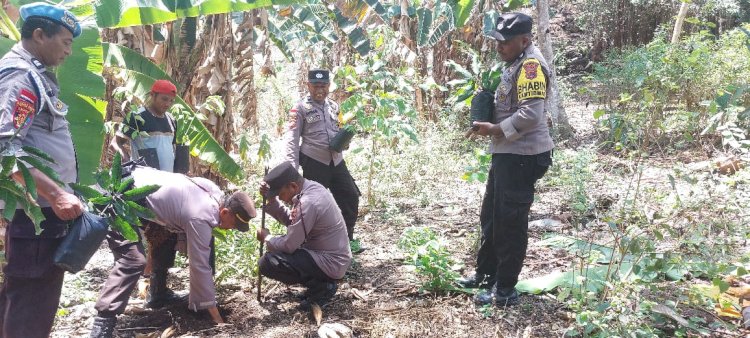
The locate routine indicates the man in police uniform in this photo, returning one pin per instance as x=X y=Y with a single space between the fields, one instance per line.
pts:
x=191 y=206
x=315 y=119
x=31 y=114
x=521 y=149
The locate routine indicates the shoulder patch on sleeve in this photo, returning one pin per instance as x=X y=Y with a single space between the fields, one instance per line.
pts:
x=25 y=108
x=532 y=84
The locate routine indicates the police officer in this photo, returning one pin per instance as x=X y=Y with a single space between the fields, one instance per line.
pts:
x=188 y=206
x=315 y=120
x=31 y=114
x=151 y=134
x=521 y=149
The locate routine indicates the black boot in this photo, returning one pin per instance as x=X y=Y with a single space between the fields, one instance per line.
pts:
x=500 y=295
x=103 y=327
x=319 y=293
x=475 y=281
x=159 y=295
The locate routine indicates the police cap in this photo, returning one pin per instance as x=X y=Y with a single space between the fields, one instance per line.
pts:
x=280 y=176
x=243 y=208
x=511 y=24
x=57 y=14
x=318 y=76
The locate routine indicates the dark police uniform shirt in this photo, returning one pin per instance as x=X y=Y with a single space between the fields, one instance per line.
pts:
x=146 y=130
x=30 y=107
x=317 y=124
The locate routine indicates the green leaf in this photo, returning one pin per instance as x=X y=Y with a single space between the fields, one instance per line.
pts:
x=87 y=192
x=139 y=193
x=101 y=200
x=28 y=180
x=8 y=162
x=424 y=16
x=38 y=153
x=11 y=202
x=123 y=13
x=125 y=229
x=461 y=11
x=514 y=4
x=38 y=165
x=142 y=211
x=116 y=170
x=125 y=184
x=599 y=113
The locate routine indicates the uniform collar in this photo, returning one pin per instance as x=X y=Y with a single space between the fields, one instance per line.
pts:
x=305 y=186
x=26 y=55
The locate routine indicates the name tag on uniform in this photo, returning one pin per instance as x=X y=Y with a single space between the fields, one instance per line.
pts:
x=313 y=118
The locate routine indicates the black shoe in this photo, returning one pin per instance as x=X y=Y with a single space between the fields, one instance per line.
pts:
x=500 y=296
x=320 y=295
x=164 y=299
x=103 y=327
x=476 y=281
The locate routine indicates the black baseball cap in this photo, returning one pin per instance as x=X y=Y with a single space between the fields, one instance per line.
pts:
x=279 y=176
x=318 y=76
x=509 y=25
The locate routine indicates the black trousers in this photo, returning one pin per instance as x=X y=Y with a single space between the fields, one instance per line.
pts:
x=338 y=179
x=505 y=215
x=130 y=260
x=296 y=268
x=32 y=284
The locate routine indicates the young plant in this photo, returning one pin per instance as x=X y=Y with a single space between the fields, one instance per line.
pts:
x=118 y=199
x=429 y=255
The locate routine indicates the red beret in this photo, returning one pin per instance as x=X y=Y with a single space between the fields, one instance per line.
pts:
x=164 y=87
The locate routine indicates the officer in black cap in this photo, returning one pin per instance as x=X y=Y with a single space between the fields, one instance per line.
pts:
x=32 y=114
x=315 y=120
x=521 y=149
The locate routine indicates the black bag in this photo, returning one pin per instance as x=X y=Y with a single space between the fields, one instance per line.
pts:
x=483 y=106
x=151 y=157
x=182 y=159
x=85 y=236
x=341 y=140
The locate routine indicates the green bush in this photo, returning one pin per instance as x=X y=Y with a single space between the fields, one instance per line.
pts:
x=658 y=92
x=427 y=252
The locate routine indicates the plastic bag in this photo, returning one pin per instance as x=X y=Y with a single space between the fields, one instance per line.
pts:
x=483 y=106
x=340 y=141
x=85 y=236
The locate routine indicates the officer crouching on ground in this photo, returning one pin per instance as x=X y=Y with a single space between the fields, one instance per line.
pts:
x=315 y=250
x=31 y=114
x=521 y=149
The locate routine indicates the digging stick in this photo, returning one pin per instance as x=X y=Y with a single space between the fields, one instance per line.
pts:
x=260 y=247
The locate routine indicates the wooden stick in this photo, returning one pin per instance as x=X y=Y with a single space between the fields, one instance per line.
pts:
x=260 y=247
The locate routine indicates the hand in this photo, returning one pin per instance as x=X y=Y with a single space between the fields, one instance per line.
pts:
x=485 y=128
x=67 y=206
x=264 y=188
x=261 y=234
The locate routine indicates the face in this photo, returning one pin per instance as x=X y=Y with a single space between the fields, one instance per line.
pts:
x=160 y=103
x=227 y=219
x=288 y=191
x=318 y=91
x=53 y=49
x=509 y=50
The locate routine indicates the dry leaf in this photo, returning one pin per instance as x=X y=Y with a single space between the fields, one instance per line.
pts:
x=334 y=330
x=667 y=311
x=169 y=332
x=359 y=294
x=729 y=166
x=742 y=292
x=143 y=288
x=154 y=334
x=317 y=313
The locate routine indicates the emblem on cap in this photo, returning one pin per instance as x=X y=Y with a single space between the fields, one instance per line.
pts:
x=37 y=63
x=319 y=76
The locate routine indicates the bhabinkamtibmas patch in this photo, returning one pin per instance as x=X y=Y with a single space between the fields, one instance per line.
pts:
x=532 y=84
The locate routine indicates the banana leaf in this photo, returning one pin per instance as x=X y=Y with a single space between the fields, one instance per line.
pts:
x=461 y=11
x=355 y=35
x=123 y=13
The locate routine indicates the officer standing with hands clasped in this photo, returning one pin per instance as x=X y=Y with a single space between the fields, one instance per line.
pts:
x=31 y=114
x=315 y=119
x=521 y=149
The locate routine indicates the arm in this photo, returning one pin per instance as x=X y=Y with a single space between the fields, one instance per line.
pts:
x=292 y=135
x=116 y=145
x=18 y=108
x=295 y=232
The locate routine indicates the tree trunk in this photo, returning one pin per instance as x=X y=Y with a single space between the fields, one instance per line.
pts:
x=554 y=104
x=678 y=24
